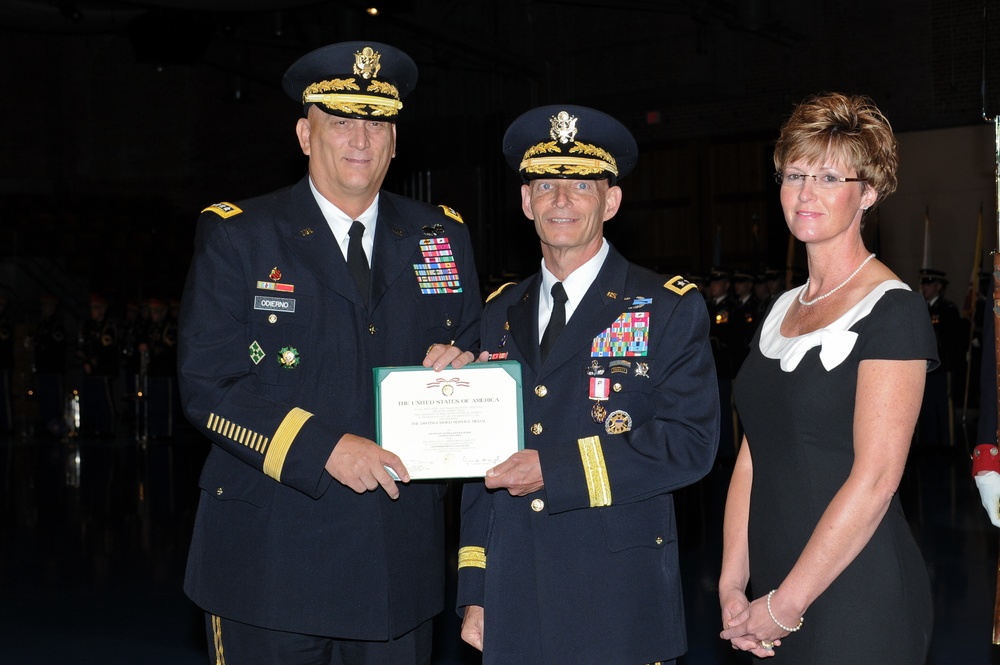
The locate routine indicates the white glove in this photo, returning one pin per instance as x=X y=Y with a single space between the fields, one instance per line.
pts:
x=989 y=489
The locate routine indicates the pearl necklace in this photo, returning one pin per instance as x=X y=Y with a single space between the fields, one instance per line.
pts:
x=829 y=293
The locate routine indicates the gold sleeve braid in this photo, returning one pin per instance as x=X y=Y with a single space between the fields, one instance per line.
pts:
x=595 y=470
x=274 y=458
x=472 y=557
x=229 y=429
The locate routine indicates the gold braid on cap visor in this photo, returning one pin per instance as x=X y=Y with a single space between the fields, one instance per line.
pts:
x=319 y=93
x=565 y=165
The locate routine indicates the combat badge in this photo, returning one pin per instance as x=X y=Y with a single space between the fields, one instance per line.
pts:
x=288 y=357
x=434 y=230
x=642 y=370
x=618 y=422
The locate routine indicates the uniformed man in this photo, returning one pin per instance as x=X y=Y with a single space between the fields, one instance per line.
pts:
x=744 y=315
x=305 y=550
x=724 y=334
x=157 y=349
x=97 y=350
x=986 y=454
x=934 y=426
x=47 y=345
x=569 y=548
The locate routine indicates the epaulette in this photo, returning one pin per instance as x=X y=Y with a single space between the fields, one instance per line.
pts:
x=224 y=209
x=451 y=212
x=679 y=285
x=499 y=290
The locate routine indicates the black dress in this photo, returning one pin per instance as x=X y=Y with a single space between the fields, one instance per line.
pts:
x=796 y=399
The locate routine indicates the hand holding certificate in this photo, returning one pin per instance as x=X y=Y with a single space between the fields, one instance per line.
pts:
x=456 y=423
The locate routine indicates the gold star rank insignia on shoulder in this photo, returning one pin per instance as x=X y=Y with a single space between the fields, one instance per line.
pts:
x=224 y=210
x=451 y=212
x=679 y=285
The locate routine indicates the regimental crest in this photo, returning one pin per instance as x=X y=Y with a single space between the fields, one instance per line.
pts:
x=366 y=63
x=563 y=127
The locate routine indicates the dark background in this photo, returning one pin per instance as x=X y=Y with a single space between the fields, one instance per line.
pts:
x=122 y=120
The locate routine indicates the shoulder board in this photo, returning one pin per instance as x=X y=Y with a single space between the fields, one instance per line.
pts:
x=224 y=209
x=679 y=285
x=452 y=213
x=499 y=290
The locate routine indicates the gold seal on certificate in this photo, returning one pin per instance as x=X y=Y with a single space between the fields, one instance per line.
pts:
x=456 y=423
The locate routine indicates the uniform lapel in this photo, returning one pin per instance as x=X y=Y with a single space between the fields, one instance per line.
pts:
x=311 y=240
x=395 y=244
x=522 y=317
x=601 y=305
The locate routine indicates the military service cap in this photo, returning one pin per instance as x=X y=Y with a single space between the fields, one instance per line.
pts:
x=363 y=80
x=565 y=141
x=929 y=276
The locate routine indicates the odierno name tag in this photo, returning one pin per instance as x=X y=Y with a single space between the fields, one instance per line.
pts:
x=272 y=304
x=456 y=423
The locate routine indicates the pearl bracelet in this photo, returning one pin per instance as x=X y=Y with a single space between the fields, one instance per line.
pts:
x=781 y=625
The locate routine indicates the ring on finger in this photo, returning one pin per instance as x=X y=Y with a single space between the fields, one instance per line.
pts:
x=767 y=646
x=428 y=352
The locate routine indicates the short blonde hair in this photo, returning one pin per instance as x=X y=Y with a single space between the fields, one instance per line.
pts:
x=849 y=128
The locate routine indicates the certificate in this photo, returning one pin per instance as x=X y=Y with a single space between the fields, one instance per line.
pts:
x=456 y=423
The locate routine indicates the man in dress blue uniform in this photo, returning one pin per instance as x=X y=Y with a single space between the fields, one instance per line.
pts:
x=304 y=549
x=934 y=426
x=568 y=549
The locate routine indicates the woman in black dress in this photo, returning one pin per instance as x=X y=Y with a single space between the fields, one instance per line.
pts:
x=829 y=398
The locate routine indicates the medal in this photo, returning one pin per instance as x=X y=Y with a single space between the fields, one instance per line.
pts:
x=599 y=391
x=618 y=422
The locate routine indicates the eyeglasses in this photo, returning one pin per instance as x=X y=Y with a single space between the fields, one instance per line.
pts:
x=823 y=181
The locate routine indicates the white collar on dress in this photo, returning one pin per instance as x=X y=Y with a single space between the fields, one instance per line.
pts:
x=836 y=340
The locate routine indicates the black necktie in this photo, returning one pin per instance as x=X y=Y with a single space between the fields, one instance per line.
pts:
x=357 y=260
x=557 y=321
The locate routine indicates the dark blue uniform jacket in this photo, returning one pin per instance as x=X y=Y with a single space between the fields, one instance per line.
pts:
x=276 y=354
x=585 y=570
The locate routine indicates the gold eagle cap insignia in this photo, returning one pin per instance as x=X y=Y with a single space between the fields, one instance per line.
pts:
x=224 y=209
x=679 y=285
x=366 y=62
x=563 y=127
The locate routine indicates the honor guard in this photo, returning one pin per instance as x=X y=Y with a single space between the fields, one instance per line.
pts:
x=97 y=350
x=568 y=549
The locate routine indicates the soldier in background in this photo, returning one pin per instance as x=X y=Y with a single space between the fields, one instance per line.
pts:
x=721 y=312
x=47 y=345
x=97 y=349
x=934 y=426
x=157 y=344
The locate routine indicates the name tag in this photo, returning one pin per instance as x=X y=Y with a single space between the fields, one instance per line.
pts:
x=274 y=304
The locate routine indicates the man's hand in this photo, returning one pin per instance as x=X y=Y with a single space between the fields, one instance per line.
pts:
x=521 y=474
x=988 y=483
x=361 y=463
x=472 y=626
x=440 y=356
